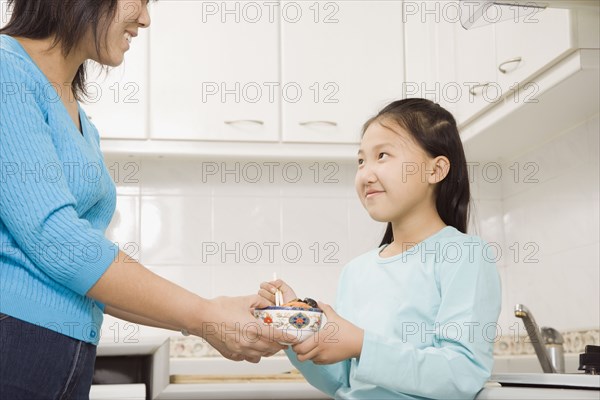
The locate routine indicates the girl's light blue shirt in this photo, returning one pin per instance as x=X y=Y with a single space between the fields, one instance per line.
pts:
x=429 y=316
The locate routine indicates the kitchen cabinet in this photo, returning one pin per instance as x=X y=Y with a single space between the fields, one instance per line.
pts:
x=497 y=62
x=530 y=44
x=214 y=71
x=298 y=79
x=446 y=63
x=130 y=369
x=566 y=94
x=501 y=113
x=4 y=14
x=229 y=86
x=546 y=58
x=430 y=56
x=488 y=63
x=341 y=61
x=475 y=70
x=494 y=61
x=118 y=97
x=118 y=392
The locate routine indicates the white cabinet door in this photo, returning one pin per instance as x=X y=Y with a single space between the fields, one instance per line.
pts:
x=475 y=55
x=214 y=70
x=118 y=100
x=430 y=55
x=529 y=44
x=341 y=62
x=4 y=14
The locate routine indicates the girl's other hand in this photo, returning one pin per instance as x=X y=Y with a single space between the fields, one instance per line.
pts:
x=268 y=289
x=338 y=340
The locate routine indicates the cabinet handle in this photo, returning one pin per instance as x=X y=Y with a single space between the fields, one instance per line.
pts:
x=331 y=123
x=482 y=85
x=237 y=121
x=511 y=61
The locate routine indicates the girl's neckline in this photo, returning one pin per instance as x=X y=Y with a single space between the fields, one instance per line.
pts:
x=81 y=133
x=383 y=260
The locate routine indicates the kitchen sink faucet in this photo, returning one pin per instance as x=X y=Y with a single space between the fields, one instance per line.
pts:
x=547 y=342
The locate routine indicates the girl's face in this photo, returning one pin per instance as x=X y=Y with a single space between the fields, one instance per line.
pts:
x=129 y=17
x=394 y=177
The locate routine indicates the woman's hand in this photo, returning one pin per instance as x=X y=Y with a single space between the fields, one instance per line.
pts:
x=267 y=291
x=230 y=327
x=338 y=340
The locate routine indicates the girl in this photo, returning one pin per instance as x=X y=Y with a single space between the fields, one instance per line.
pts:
x=58 y=273
x=415 y=317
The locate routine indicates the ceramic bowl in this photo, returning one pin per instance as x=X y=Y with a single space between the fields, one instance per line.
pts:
x=296 y=323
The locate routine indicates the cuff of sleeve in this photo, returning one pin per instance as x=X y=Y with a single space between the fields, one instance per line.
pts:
x=96 y=263
x=101 y=306
x=291 y=354
x=371 y=358
x=326 y=378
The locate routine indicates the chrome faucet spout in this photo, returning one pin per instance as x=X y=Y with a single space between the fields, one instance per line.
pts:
x=547 y=342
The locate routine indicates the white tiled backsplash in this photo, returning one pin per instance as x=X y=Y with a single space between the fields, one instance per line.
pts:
x=220 y=227
x=543 y=210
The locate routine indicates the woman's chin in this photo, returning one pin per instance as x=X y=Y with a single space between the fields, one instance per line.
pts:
x=114 y=60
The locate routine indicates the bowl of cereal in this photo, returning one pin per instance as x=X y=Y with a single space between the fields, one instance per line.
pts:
x=297 y=320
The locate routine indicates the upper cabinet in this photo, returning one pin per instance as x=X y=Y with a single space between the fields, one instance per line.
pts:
x=489 y=62
x=476 y=70
x=4 y=14
x=214 y=70
x=274 y=78
x=341 y=61
x=321 y=68
x=506 y=80
x=527 y=45
x=430 y=55
x=117 y=102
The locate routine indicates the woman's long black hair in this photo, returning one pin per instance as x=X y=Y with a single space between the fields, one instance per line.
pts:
x=434 y=129
x=66 y=20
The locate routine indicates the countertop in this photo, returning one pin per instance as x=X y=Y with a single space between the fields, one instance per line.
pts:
x=139 y=346
x=164 y=367
x=494 y=391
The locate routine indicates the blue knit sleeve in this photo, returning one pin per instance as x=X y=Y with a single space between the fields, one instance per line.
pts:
x=40 y=211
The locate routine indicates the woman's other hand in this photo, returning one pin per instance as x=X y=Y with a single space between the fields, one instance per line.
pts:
x=267 y=291
x=230 y=327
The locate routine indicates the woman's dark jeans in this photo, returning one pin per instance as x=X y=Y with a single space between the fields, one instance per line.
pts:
x=37 y=363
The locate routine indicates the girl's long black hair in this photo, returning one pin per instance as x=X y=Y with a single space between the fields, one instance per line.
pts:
x=66 y=20
x=435 y=130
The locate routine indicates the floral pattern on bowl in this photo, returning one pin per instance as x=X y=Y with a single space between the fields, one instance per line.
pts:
x=296 y=322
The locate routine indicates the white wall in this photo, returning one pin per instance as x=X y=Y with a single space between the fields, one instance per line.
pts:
x=543 y=210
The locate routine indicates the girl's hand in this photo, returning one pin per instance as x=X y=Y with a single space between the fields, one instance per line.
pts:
x=338 y=340
x=268 y=289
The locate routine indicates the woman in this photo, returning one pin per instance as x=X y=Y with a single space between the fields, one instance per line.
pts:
x=58 y=271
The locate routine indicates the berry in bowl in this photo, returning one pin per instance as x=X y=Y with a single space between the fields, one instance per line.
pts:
x=297 y=319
